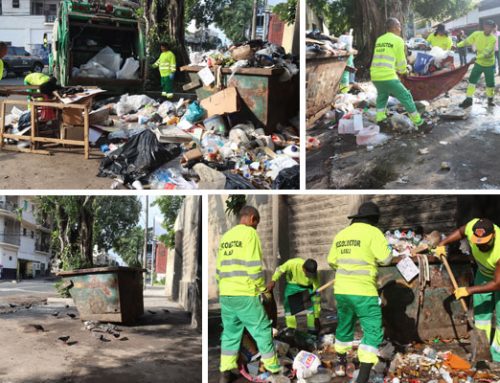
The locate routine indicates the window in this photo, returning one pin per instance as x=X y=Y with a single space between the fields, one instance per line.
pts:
x=15 y=3
x=24 y=231
x=10 y=258
x=32 y=234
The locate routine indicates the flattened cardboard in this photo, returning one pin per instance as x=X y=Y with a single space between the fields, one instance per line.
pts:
x=225 y=101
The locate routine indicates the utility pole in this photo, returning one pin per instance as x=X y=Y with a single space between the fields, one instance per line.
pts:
x=254 y=21
x=145 y=253
x=153 y=252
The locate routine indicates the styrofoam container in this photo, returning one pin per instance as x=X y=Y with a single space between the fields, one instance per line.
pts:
x=365 y=135
x=351 y=125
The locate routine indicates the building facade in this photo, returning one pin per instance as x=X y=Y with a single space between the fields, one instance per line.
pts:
x=25 y=250
x=23 y=23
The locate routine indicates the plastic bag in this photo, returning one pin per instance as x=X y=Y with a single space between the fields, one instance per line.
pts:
x=195 y=112
x=306 y=364
x=108 y=58
x=423 y=62
x=237 y=182
x=128 y=104
x=129 y=69
x=94 y=69
x=288 y=178
x=135 y=160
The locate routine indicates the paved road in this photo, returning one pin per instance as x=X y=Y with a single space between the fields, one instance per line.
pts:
x=12 y=81
x=9 y=289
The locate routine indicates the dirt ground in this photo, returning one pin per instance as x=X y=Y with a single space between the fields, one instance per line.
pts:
x=467 y=146
x=161 y=347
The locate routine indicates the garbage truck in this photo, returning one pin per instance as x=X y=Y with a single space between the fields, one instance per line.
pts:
x=100 y=44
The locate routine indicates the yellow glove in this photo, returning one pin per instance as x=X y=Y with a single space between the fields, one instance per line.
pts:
x=441 y=251
x=461 y=292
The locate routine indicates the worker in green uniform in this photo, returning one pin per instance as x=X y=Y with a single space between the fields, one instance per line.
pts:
x=356 y=253
x=481 y=235
x=440 y=38
x=389 y=60
x=47 y=85
x=241 y=283
x=485 y=42
x=301 y=275
x=167 y=65
x=3 y=52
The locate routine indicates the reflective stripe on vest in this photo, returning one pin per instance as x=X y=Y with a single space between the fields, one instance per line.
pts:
x=239 y=273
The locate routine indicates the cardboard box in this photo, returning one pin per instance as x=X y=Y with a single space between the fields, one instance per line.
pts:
x=225 y=101
x=72 y=132
x=73 y=116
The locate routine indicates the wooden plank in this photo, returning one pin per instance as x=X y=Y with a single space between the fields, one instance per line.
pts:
x=2 y=124
x=58 y=105
x=45 y=140
x=244 y=71
x=86 y=132
x=33 y=126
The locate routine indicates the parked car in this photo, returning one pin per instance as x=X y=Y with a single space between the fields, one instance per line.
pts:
x=19 y=61
x=418 y=43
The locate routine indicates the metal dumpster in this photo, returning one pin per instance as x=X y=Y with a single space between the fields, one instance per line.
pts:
x=266 y=100
x=323 y=75
x=440 y=315
x=107 y=294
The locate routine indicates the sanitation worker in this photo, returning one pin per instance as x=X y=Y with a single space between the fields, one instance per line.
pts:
x=485 y=42
x=440 y=38
x=356 y=253
x=481 y=235
x=301 y=275
x=389 y=60
x=241 y=287
x=167 y=65
x=3 y=52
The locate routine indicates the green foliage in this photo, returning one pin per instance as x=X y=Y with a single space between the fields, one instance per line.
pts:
x=82 y=222
x=130 y=246
x=286 y=11
x=235 y=203
x=62 y=289
x=169 y=207
x=444 y=9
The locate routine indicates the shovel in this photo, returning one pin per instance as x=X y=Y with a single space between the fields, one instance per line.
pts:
x=302 y=301
x=479 y=341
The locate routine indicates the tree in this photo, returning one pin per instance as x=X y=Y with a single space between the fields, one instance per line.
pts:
x=286 y=11
x=442 y=10
x=130 y=246
x=169 y=207
x=82 y=222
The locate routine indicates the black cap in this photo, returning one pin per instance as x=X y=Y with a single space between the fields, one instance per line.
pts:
x=490 y=22
x=441 y=28
x=367 y=209
x=311 y=266
x=482 y=231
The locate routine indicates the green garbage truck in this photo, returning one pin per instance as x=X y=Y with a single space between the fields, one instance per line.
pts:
x=98 y=43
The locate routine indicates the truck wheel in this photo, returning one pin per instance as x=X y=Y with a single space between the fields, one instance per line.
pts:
x=37 y=68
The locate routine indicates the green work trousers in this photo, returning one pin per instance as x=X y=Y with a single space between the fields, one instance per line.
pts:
x=351 y=308
x=396 y=89
x=484 y=307
x=167 y=84
x=238 y=313
x=312 y=312
x=489 y=76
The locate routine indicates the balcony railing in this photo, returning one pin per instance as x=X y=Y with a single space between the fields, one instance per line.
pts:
x=9 y=206
x=10 y=238
x=50 y=18
x=41 y=246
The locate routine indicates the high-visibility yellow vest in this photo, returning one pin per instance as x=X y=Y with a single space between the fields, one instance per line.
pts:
x=389 y=58
x=36 y=78
x=239 y=263
x=355 y=254
x=486 y=261
x=294 y=273
x=443 y=42
x=166 y=63
x=485 y=46
x=1 y=69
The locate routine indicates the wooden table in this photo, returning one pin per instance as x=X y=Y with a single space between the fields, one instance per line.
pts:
x=33 y=138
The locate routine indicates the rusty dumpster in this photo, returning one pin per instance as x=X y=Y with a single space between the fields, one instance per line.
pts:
x=323 y=75
x=107 y=294
x=410 y=314
x=267 y=101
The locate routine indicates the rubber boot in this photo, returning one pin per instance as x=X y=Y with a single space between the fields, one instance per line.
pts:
x=340 y=365
x=467 y=103
x=364 y=372
x=426 y=126
x=228 y=377
x=491 y=101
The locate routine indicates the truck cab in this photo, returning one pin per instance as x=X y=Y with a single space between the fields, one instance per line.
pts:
x=82 y=29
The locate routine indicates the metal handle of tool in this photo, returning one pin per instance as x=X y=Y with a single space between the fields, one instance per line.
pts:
x=325 y=286
x=453 y=281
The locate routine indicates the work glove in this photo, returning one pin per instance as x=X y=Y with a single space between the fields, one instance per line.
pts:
x=461 y=292
x=270 y=286
x=266 y=296
x=441 y=251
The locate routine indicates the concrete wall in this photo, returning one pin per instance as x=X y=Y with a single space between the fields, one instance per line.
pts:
x=184 y=263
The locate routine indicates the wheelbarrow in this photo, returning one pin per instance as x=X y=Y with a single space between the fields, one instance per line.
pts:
x=430 y=87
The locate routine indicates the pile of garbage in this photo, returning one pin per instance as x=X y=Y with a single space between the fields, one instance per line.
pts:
x=251 y=54
x=320 y=45
x=108 y=64
x=434 y=62
x=410 y=242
